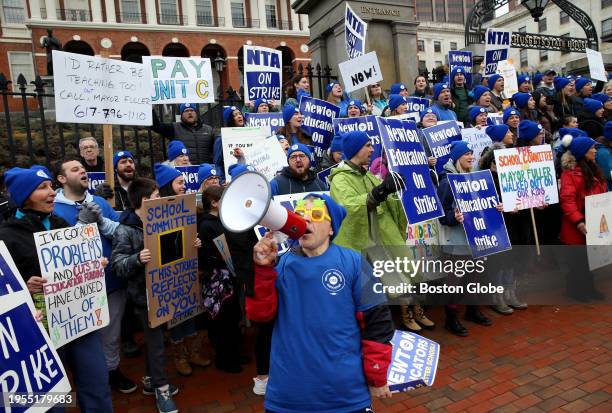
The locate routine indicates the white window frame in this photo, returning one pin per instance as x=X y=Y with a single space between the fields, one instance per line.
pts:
x=212 y=13
x=138 y=12
x=272 y=17
x=29 y=76
x=176 y=13
x=244 y=14
x=4 y=20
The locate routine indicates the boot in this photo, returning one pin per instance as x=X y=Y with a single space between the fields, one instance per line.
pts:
x=511 y=299
x=181 y=359
x=421 y=318
x=408 y=319
x=499 y=305
x=473 y=314
x=194 y=349
x=453 y=324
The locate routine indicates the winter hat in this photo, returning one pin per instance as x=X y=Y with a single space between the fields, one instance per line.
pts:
x=537 y=78
x=520 y=99
x=438 y=88
x=475 y=111
x=281 y=137
x=592 y=105
x=510 y=112
x=455 y=72
x=228 y=111
x=561 y=82
x=206 y=170
x=330 y=86
x=522 y=79
x=427 y=111
x=336 y=211
x=528 y=130
x=602 y=97
x=352 y=142
x=119 y=156
x=608 y=131
x=395 y=101
x=238 y=169
x=288 y=112
x=41 y=168
x=176 y=148
x=355 y=102
x=458 y=149
x=478 y=91
x=259 y=102
x=21 y=182
x=184 y=106
x=396 y=88
x=492 y=80
x=578 y=146
x=582 y=82
x=575 y=132
x=336 y=144
x=497 y=132
x=165 y=174
x=300 y=93
x=299 y=147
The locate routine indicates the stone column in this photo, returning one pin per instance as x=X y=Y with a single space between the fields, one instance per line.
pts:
x=51 y=10
x=295 y=20
x=405 y=50
x=225 y=11
x=111 y=17
x=96 y=11
x=151 y=11
x=261 y=13
x=189 y=9
x=35 y=9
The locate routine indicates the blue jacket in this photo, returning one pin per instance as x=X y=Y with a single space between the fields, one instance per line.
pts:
x=443 y=113
x=284 y=183
x=604 y=160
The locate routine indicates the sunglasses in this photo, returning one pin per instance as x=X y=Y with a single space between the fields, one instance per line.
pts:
x=316 y=211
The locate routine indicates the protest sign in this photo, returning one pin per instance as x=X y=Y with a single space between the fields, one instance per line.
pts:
x=180 y=79
x=92 y=89
x=414 y=361
x=29 y=363
x=463 y=60
x=365 y=124
x=406 y=156
x=439 y=138
x=274 y=120
x=95 y=179
x=495 y=119
x=360 y=72
x=262 y=73
x=508 y=72
x=324 y=174
x=423 y=233
x=318 y=122
x=477 y=140
x=75 y=292
x=596 y=65
x=221 y=244
x=497 y=45
x=484 y=225
x=190 y=173
x=170 y=230
x=598 y=219
x=415 y=104
x=355 y=31
x=527 y=177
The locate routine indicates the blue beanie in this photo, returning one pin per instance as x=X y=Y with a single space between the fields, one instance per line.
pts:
x=520 y=99
x=537 y=78
x=185 y=106
x=522 y=79
x=575 y=132
x=121 y=155
x=602 y=97
x=592 y=105
x=396 y=88
x=288 y=112
x=238 y=169
x=176 y=148
x=336 y=144
x=330 y=86
x=41 y=168
x=561 y=82
x=165 y=174
x=259 y=102
x=22 y=182
x=395 y=101
x=337 y=213
x=582 y=82
x=438 y=88
x=510 y=112
x=299 y=147
x=427 y=111
x=475 y=111
x=578 y=146
x=458 y=149
x=355 y=102
x=300 y=93
x=227 y=114
x=455 y=72
x=205 y=171
x=478 y=91
x=528 y=130
x=492 y=80
x=497 y=132
x=352 y=142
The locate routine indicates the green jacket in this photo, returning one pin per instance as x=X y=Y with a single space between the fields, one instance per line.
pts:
x=350 y=188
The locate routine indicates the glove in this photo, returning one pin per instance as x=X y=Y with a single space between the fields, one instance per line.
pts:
x=90 y=213
x=104 y=191
x=392 y=183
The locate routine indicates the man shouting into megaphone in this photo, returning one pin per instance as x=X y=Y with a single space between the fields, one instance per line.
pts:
x=330 y=345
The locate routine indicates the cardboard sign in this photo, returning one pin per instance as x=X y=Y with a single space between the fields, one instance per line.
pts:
x=508 y=72
x=75 y=292
x=92 y=89
x=463 y=60
x=365 y=124
x=170 y=230
x=439 y=138
x=598 y=220
x=262 y=73
x=180 y=79
x=527 y=177
x=95 y=179
x=355 y=31
x=29 y=362
x=318 y=122
x=423 y=233
x=273 y=120
x=190 y=173
x=484 y=226
x=360 y=72
x=414 y=361
x=596 y=65
x=406 y=156
x=477 y=140
x=497 y=45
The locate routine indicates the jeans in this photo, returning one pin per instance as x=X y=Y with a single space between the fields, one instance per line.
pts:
x=185 y=329
x=155 y=358
x=111 y=334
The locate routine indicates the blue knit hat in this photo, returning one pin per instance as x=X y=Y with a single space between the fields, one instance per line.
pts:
x=288 y=112
x=427 y=111
x=438 y=88
x=475 y=111
x=119 y=156
x=560 y=82
x=602 y=97
x=337 y=212
x=396 y=88
x=22 y=182
x=330 y=86
x=352 y=142
x=259 y=102
x=165 y=174
x=608 y=131
x=578 y=146
x=355 y=102
x=592 y=105
x=41 y=168
x=520 y=99
x=510 y=112
x=227 y=114
x=478 y=91
x=299 y=147
x=458 y=149
x=575 y=132
x=336 y=144
x=522 y=79
x=582 y=82
x=537 y=78
x=238 y=169
x=176 y=148
x=395 y=101
x=497 y=132
x=528 y=130
x=184 y=106
x=492 y=80
x=455 y=72
x=206 y=171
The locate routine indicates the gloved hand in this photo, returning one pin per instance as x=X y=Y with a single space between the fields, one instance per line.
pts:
x=388 y=187
x=90 y=213
x=105 y=191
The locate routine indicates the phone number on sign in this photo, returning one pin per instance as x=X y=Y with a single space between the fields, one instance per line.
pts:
x=39 y=399
x=107 y=113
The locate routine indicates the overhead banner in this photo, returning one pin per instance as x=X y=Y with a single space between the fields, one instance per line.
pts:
x=75 y=292
x=91 y=89
x=508 y=72
x=497 y=45
x=318 y=122
x=439 y=138
x=477 y=140
x=406 y=156
x=262 y=73
x=190 y=173
x=527 y=177
x=95 y=179
x=414 y=361
x=598 y=220
x=596 y=65
x=170 y=231
x=360 y=72
x=365 y=124
x=29 y=363
x=355 y=31
x=274 y=120
x=463 y=60
x=484 y=225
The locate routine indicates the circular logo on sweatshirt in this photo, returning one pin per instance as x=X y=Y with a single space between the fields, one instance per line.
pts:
x=333 y=281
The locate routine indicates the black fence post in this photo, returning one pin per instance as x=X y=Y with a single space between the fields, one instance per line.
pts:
x=4 y=84
x=21 y=81
x=39 y=89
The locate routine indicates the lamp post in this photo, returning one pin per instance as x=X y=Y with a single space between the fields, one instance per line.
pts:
x=535 y=7
x=218 y=62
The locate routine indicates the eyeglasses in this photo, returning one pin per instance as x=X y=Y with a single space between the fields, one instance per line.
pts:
x=296 y=157
x=316 y=211
x=84 y=148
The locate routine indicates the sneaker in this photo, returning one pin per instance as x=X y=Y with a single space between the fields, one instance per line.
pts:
x=164 y=402
x=148 y=390
x=259 y=388
x=119 y=382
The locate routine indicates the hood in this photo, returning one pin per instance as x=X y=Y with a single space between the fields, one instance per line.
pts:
x=286 y=172
x=449 y=167
x=568 y=161
x=342 y=168
x=129 y=217
x=60 y=198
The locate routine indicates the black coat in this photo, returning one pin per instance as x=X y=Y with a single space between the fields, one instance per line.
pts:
x=284 y=183
x=198 y=139
x=591 y=124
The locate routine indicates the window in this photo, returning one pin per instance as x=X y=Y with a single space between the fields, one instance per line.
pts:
x=606 y=27
x=543 y=55
x=542 y=25
x=438 y=63
x=437 y=47
x=453 y=45
x=422 y=66
x=524 y=59
x=21 y=63
x=605 y=3
x=75 y=10
x=424 y=10
x=13 y=11
x=440 y=10
x=421 y=45
x=130 y=11
x=455 y=12
x=563 y=17
x=238 y=19
x=522 y=29
x=168 y=12
x=204 y=12
x=271 y=13
x=565 y=35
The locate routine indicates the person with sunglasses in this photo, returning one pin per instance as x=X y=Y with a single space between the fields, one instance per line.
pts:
x=298 y=176
x=378 y=99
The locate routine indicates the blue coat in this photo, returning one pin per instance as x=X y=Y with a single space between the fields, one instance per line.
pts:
x=442 y=112
x=604 y=160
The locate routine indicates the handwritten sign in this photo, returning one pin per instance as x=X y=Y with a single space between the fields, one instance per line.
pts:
x=598 y=220
x=477 y=140
x=461 y=59
x=360 y=72
x=92 y=89
x=75 y=292
x=508 y=72
x=318 y=122
x=179 y=79
x=439 y=138
x=262 y=73
x=355 y=31
x=190 y=173
x=170 y=230
x=596 y=65
x=95 y=179
x=365 y=124
x=273 y=120
x=497 y=45
x=414 y=361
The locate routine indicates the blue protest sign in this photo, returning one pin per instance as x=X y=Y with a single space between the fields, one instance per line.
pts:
x=496 y=49
x=414 y=361
x=325 y=173
x=462 y=59
x=365 y=124
x=354 y=33
x=95 y=179
x=272 y=119
x=415 y=104
x=190 y=173
x=262 y=73
x=318 y=122
x=406 y=156
x=439 y=138
x=484 y=225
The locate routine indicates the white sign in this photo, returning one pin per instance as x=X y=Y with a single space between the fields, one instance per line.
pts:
x=262 y=73
x=477 y=140
x=596 y=65
x=508 y=72
x=360 y=72
x=92 y=89
x=180 y=79
x=355 y=31
x=598 y=220
x=497 y=45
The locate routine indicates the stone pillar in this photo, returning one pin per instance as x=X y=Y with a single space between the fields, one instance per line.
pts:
x=35 y=9
x=110 y=11
x=151 y=11
x=51 y=10
x=189 y=9
x=96 y=11
x=295 y=20
x=225 y=11
x=261 y=14
x=405 y=50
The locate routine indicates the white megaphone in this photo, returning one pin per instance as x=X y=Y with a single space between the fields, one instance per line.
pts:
x=247 y=202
